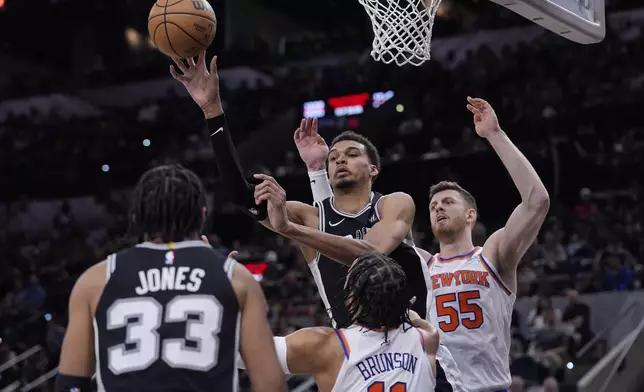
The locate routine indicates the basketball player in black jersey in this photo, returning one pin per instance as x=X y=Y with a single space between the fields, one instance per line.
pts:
x=355 y=221
x=167 y=314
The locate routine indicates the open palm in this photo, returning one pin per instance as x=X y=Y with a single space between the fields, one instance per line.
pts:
x=202 y=84
x=311 y=146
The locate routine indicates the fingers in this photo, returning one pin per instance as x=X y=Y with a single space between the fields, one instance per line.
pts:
x=233 y=254
x=267 y=194
x=180 y=65
x=269 y=188
x=205 y=239
x=175 y=75
x=477 y=102
x=473 y=109
x=265 y=177
x=412 y=300
x=314 y=126
x=213 y=65
x=309 y=127
x=201 y=60
x=299 y=132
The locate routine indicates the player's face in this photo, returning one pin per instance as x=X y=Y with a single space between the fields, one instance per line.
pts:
x=349 y=165
x=449 y=214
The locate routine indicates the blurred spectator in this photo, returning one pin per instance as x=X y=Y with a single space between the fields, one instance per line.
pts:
x=618 y=275
x=552 y=250
x=585 y=208
x=526 y=276
x=536 y=318
x=576 y=316
x=550 y=346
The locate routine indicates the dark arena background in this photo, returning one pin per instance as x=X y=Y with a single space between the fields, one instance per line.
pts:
x=87 y=105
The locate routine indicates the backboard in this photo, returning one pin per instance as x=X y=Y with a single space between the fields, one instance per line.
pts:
x=582 y=21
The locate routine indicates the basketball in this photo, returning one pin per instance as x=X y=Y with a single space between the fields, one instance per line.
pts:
x=182 y=28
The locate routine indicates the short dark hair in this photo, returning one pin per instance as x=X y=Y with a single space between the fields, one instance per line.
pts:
x=450 y=185
x=372 y=151
x=167 y=202
x=377 y=294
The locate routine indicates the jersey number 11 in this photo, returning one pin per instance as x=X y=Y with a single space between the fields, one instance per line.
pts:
x=379 y=386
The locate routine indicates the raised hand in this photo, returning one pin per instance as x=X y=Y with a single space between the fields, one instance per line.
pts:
x=485 y=120
x=201 y=83
x=311 y=146
x=275 y=195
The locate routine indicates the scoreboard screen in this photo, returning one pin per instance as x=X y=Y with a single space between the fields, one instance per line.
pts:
x=345 y=105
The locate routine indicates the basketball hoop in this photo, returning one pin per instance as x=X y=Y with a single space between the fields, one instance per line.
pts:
x=402 y=29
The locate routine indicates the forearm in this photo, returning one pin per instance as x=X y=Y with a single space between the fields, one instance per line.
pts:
x=342 y=249
x=281 y=349
x=523 y=175
x=229 y=167
x=422 y=324
x=320 y=186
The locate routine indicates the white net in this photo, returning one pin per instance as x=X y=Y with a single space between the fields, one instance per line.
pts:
x=402 y=29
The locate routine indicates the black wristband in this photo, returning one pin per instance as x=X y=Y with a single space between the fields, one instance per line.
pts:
x=66 y=383
x=230 y=169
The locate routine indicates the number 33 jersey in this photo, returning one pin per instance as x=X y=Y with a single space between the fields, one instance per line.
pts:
x=472 y=308
x=167 y=320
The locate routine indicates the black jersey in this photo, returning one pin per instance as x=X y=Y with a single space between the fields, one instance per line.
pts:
x=168 y=320
x=330 y=275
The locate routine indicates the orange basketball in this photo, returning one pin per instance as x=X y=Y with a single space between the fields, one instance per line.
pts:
x=182 y=28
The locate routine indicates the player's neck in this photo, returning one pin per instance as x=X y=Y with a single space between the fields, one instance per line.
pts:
x=456 y=246
x=352 y=200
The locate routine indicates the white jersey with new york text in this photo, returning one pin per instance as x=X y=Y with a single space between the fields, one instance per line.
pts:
x=371 y=365
x=472 y=308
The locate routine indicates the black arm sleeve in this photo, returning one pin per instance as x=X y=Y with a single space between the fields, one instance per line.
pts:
x=65 y=383
x=230 y=169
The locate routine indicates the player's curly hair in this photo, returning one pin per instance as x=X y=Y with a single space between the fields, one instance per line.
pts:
x=377 y=294
x=167 y=204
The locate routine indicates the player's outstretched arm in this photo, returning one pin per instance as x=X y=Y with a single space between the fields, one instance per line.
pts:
x=203 y=86
x=305 y=351
x=76 y=364
x=314 y=152
x=256 y=344
x=396 y=213
x=507 y=246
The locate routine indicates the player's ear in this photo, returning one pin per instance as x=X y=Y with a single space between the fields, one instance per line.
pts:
x=471 y=215
x=373 y=171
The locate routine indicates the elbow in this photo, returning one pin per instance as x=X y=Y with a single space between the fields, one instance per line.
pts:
x=539 y=201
